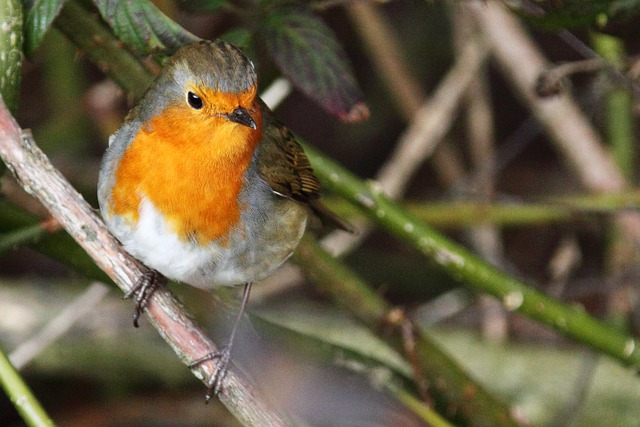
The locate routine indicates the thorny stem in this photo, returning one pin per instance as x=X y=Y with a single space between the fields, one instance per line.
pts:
x=474 y=272
x=446 y=381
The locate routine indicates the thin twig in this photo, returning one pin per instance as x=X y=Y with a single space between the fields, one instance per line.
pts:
x=82 y=306
x=384 y=47
x=431 y=121
x=551 y=80
x=38 y=177
x=569 y=129
x=277 y=92
x=428 y=126
x=22 y=235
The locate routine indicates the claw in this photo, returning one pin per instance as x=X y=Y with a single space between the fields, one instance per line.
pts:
x=142 y=291
x=220 y=372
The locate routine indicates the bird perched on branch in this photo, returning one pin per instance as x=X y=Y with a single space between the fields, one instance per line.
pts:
x=203 y=185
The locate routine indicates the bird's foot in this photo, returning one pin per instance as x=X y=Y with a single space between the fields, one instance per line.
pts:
x=142 y=291
x=220 y=372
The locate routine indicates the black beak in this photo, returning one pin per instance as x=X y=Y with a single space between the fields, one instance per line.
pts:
x=242 y=116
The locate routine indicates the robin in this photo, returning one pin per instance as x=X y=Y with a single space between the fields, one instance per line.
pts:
x=203 y=185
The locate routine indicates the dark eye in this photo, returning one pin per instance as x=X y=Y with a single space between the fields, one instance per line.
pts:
x=194 y=101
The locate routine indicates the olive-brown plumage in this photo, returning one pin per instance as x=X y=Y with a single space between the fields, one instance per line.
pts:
x=286 y=168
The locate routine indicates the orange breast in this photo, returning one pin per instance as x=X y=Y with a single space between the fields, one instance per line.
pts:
x=191 y=168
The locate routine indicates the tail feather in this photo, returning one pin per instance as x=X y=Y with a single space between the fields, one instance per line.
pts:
x=329 y=218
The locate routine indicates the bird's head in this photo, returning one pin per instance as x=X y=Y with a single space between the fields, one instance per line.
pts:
x=210 y=81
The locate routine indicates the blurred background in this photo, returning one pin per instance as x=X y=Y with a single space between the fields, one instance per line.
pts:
x=458 y=131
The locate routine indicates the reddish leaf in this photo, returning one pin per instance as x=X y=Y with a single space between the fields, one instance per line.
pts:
x=308 y=54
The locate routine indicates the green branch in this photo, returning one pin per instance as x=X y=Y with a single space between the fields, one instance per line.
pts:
x=619 y=104
x=58 y=245
x=88 y=32
x=456 y=214
x=353 y=294
x=20 y=394
x=463 y=265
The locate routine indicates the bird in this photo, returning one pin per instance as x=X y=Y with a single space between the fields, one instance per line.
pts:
x=203 y=185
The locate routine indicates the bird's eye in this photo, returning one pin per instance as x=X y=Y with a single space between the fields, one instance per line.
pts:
x=194 y=101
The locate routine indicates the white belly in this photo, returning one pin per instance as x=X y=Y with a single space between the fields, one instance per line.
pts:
x=263 y=241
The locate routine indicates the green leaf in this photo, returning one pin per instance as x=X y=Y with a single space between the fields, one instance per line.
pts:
x=39 y=15
x=143 y=26
x=308 y=54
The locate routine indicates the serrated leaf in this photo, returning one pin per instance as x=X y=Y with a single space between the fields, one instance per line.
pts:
x=39 y=15
x=143 y=26
x=309 y=55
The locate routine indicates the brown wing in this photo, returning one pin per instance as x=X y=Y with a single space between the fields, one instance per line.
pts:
x=285 y=167
x=283 y=164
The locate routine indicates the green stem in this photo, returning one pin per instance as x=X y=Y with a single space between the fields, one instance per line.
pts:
x=463 y=265
x=25 y=402
x=347 y=290
x=547 y=211
x=619 y=103
x=621 y=253
x=465 y=213
x=21 y=236
x=419 y=408
x=449 y=383
x=59 y=245
x=89 y=33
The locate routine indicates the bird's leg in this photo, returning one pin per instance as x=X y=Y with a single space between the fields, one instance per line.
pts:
x=224 y=355
x=145 y=286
